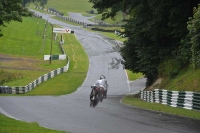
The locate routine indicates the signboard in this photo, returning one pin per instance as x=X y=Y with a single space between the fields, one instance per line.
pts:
x=61 y=30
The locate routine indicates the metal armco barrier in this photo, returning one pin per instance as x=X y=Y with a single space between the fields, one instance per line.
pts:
x=187 y=100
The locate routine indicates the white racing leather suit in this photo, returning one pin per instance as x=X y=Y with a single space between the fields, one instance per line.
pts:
x=105 y=84
x=99 y=83
x=102 y=82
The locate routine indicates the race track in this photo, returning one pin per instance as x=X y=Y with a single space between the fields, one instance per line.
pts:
x=72 y=112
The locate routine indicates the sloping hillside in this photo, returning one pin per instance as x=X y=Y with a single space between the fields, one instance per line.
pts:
x=186 y=81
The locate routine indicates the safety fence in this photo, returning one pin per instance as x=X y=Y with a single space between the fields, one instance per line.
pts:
x=35 y=83
x=186 y=99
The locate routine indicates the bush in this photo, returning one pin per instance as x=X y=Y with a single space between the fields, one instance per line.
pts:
x=169 y=68
x=91 y=11
x=194 y=28
x=6 y=77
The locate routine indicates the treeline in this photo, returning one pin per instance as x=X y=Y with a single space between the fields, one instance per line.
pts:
x=162 y=36
x=36 y=2
x=15 y=10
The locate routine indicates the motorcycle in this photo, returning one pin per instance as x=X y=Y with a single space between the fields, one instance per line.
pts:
x=96 y=95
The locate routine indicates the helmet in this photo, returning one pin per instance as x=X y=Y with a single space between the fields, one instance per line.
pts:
x=102 y=77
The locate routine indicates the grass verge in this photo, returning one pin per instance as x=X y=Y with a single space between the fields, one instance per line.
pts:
x=22 y=49
x=106 y=32
x=64 y=6
x=134 y=100
x=133 y=76
x=186 y=81
x=27 y=38
x=68 y=82
x=9 y=125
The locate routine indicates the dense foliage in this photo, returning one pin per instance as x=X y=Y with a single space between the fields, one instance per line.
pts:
x=11 y=10
x=37 y=2
x=109 y=8
x=14 y=10
x=156 y=32
x=194 y=28
x=6 y=76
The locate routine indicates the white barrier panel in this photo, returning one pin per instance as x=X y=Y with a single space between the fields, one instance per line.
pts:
x=46 y=57
x=61 y=57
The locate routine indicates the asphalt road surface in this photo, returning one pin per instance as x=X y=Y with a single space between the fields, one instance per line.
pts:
x=72 y=112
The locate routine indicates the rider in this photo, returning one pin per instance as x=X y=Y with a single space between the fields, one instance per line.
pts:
x=102 y=82
x=98 y=84
x=105 y=85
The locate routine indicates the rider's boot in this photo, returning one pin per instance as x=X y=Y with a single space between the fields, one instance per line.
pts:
x=105 y=94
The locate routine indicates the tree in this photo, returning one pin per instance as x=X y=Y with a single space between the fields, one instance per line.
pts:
x=194 y=28
x=157 y=31
x=40 y=2
x=109 y=8
x=154 y=31
x=12 y=10
x=26 y=2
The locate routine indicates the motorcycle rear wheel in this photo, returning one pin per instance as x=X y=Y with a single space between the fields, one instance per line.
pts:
x=94 y=100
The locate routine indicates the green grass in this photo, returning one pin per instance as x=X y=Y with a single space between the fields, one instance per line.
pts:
x=187 y=81
x=133 y=76
x=9 y=125
x=64 y=83
x=64 y=6
x=106 y=32
x=117 y=20
x=23 y=44
x=113 y=36
x=133 y=100
x=26 y=39
x=32 y=6
x=67 y=82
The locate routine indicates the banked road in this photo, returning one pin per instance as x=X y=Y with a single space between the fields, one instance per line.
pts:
x=72 y=112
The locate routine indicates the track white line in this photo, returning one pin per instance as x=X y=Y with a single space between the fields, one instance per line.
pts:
x=6 y=114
